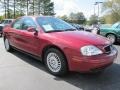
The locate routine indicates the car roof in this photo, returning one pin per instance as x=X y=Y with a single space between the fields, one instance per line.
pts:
x=35 y=16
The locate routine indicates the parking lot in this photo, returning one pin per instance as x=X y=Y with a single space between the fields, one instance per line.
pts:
x=21 y=72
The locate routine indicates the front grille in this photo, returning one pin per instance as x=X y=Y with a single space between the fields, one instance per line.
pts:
x=108 y=49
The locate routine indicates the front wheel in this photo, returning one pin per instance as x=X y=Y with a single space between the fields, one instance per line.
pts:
x=55 y=62
x=112 y=38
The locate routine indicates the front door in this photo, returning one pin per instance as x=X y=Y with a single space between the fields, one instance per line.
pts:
x=30 y=42
x=23 y=39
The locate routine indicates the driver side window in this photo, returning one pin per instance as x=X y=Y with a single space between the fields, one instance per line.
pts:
x=28 y=22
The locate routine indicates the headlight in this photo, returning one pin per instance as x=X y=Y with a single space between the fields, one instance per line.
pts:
x=90 y=50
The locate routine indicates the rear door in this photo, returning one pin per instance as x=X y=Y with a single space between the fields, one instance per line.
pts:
x=15 y=32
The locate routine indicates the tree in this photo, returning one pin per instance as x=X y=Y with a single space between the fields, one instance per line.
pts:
x=93 y=20
x=1 y=18
x=4 y=3
x=28 y=7
x=78 y=18
x=48 y=7
x=11 y=7
x=14 y=3
x=112 y=9
x=44 y=7
x=5 y=6
x=64 y=17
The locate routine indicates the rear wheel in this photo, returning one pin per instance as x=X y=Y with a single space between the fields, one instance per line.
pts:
x=7 y=45
x=112 y=38
x=55 y=62
x=0 y=34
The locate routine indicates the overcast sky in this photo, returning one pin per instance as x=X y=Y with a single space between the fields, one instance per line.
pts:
x=65 y=7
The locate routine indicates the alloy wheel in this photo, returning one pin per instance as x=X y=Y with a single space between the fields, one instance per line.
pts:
x=53 y=62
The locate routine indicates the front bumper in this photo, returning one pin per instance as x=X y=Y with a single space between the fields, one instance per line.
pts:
x=88 y=64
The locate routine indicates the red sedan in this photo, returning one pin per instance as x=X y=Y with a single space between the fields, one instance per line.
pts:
x=59 y=45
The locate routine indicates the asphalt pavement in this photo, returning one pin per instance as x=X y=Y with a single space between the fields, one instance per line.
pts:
x=21 y=72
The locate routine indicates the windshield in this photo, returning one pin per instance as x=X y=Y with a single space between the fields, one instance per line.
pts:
x=115 y=25
x=54 y=24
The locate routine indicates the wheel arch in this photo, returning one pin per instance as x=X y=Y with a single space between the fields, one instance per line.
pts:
x=112 y=34
x=56 y=47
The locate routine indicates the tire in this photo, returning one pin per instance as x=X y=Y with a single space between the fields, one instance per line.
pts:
x=55 y=62
x=112 y=38
x=7 y=45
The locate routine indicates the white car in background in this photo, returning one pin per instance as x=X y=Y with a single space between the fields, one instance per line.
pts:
x=93 y=29
x=4 y=23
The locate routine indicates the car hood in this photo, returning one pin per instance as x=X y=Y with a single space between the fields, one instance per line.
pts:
x=79 y=38
x=108 y=28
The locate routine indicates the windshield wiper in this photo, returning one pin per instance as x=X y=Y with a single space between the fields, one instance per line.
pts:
x=54 y=31
x=70 y=29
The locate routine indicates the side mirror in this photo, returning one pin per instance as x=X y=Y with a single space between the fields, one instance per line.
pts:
x=31 y=29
